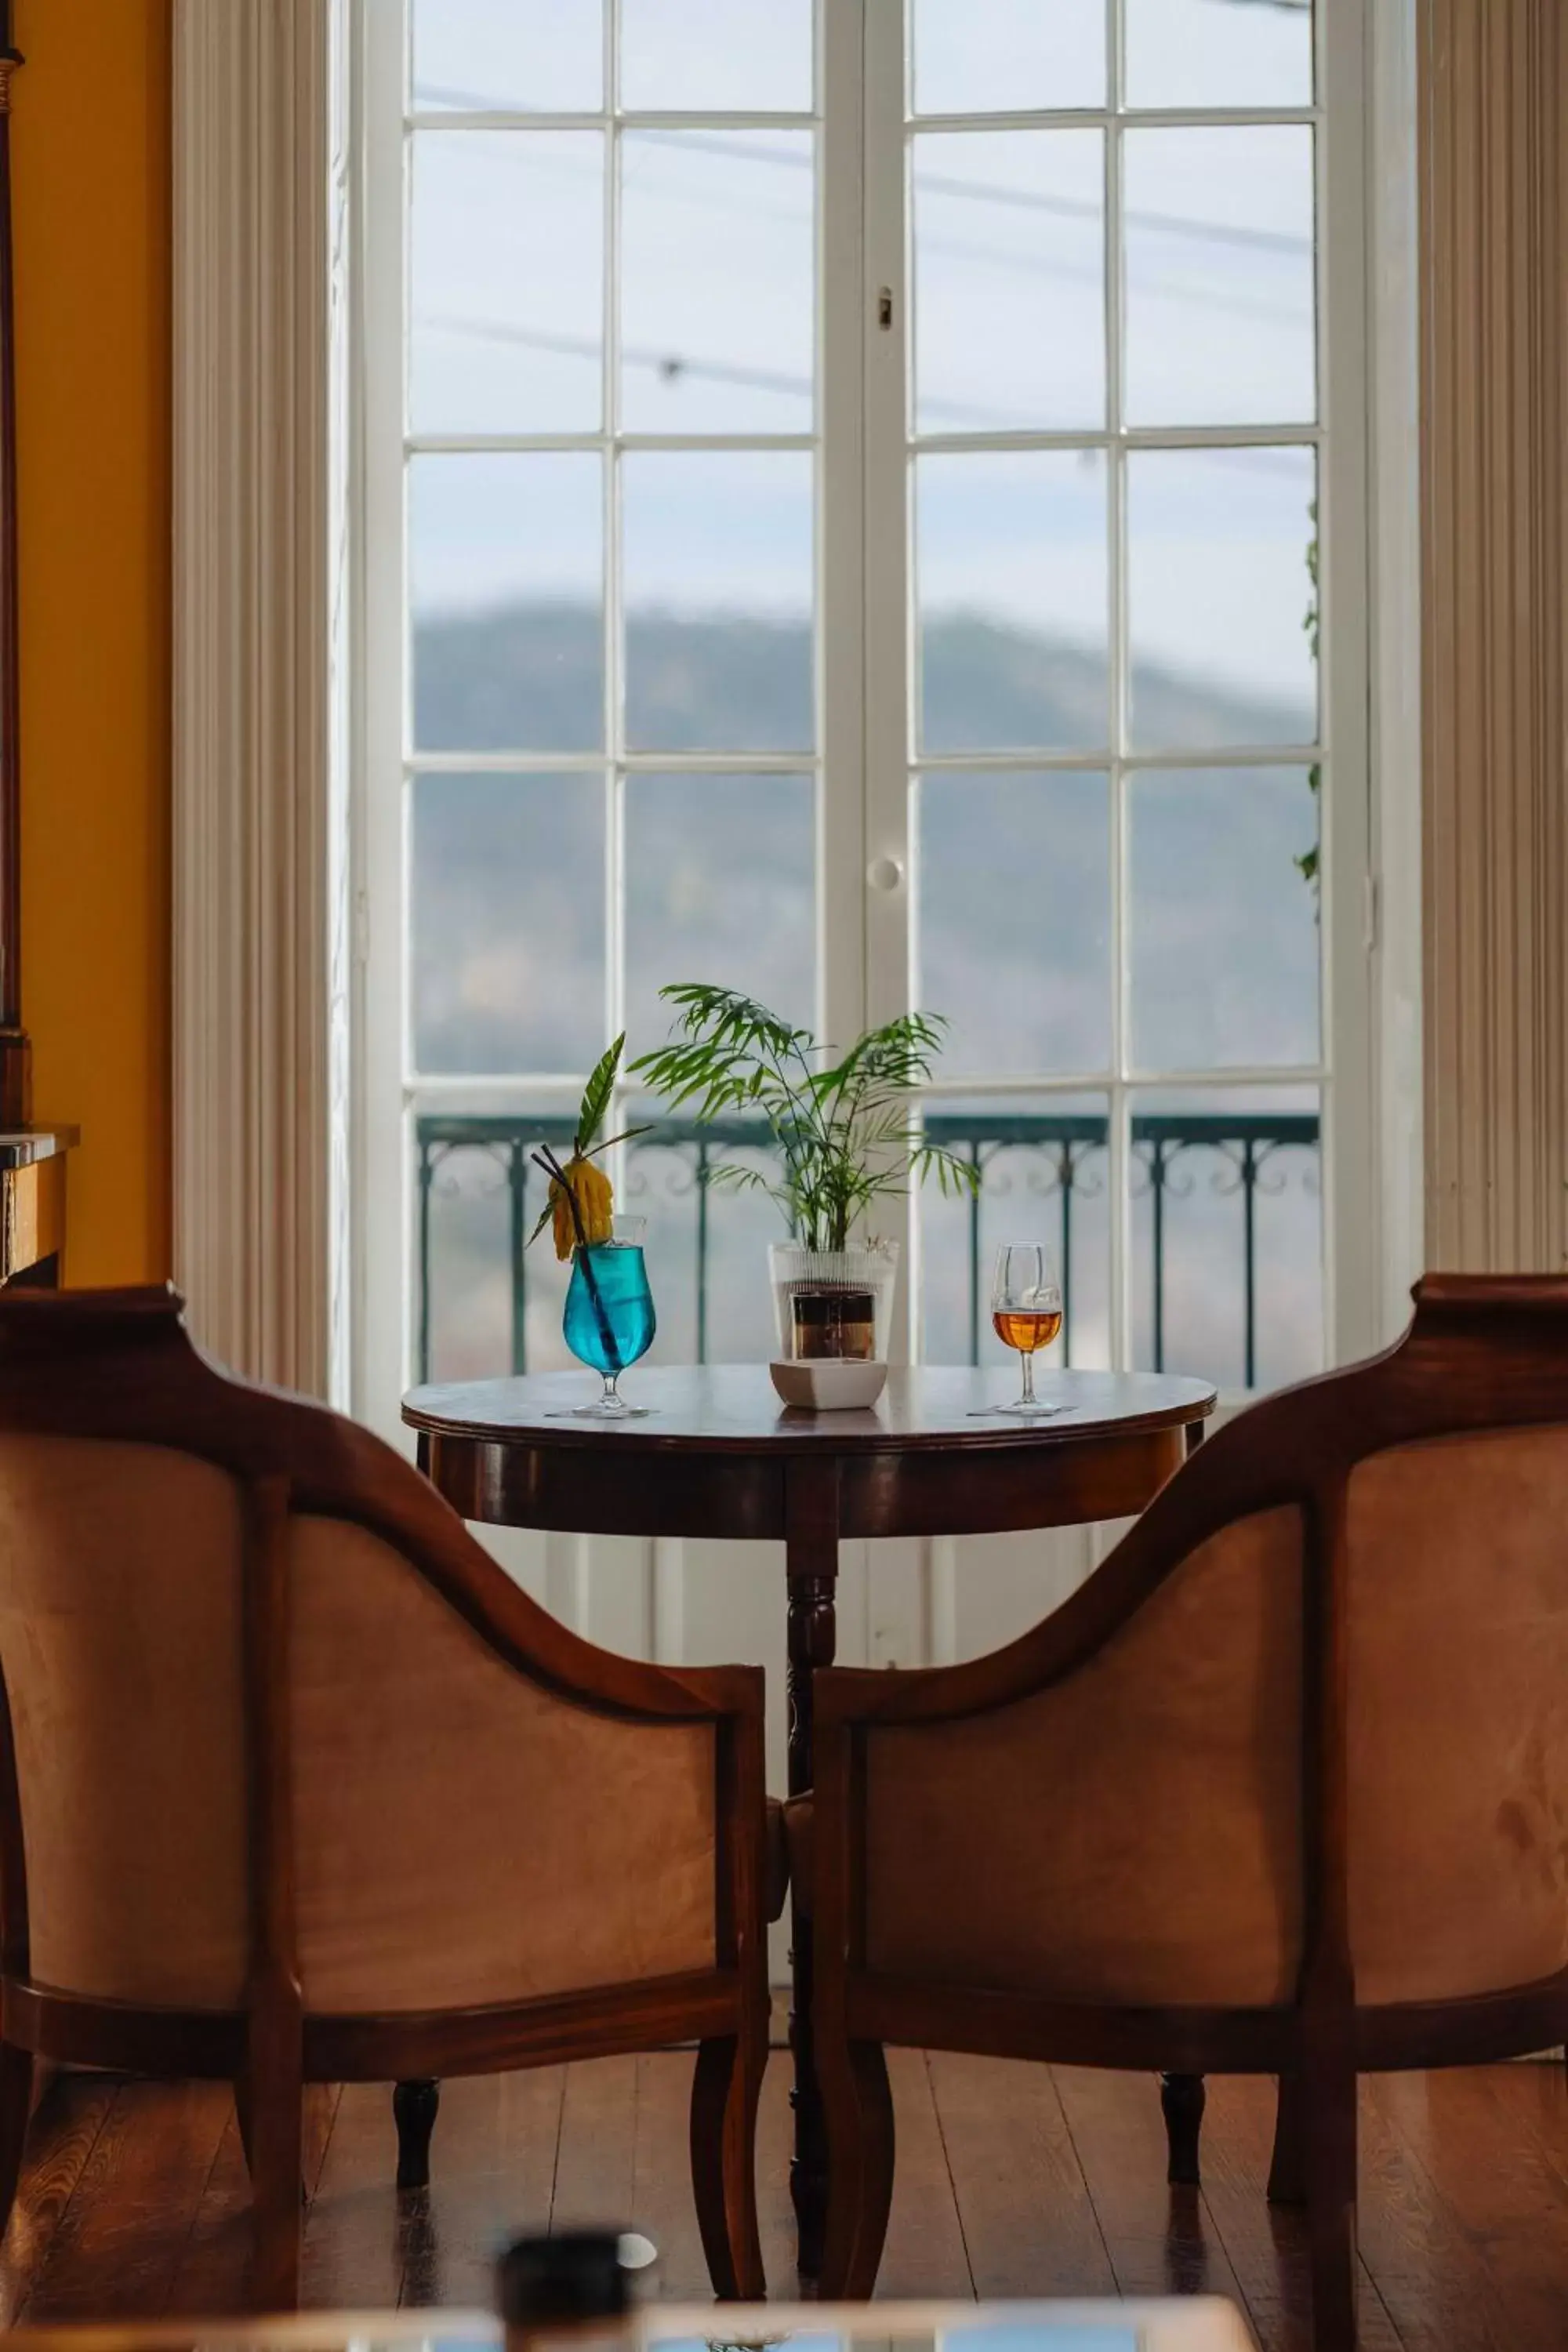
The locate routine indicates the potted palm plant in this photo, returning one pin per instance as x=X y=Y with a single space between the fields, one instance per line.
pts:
x=846 y=1133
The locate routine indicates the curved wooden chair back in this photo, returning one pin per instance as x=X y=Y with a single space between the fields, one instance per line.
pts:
x=296 y=1783
x=1282 y=1788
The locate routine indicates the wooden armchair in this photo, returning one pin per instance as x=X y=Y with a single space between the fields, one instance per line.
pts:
x=296 y=1785
x=1282 y=1789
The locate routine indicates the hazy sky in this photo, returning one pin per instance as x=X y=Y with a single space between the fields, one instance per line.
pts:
x=716 y=315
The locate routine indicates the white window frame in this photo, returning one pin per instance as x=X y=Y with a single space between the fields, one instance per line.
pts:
x=863 y=614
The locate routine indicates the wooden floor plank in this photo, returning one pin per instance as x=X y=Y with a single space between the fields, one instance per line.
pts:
x=925 y=2252
x=61 y=2139
x=119 y=2243
x=354 y=2251
x=214 y=2270
x=1011 y=2180
x=1505 y=2196
x=492 y=2177
x=1161 y=2240
x=596 y=2168
x=663 y=2206
x=1415 y=2244
x=1266 y=2246
x=1024 y=2205
x=775 y=2214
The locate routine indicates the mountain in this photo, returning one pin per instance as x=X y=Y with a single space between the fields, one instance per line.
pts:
x=1013 y=877
x=1014 y=868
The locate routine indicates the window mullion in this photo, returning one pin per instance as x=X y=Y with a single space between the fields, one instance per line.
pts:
x=889 y=901
x=841 y=572
x=615 y=698
x=1120 y=1127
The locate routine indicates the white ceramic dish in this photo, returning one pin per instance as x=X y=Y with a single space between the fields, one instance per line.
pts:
x=829 y=1383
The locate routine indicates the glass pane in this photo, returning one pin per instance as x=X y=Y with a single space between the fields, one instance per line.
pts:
x=707 y=1252
x=716 y=54
x=717 y=281
x=489 y=1306
x=1009 y=280
x=484 y=55
x=1221 y=292
x=1198 y=1158
x=982 y=57
x=1224 y=917
x=1218 y=53
x=506 y=886
x=1011 y=568
x=506 y=329
x=1222 y=548
x=1014 y=920
x=506 y=582
x=719 y=563
x=1046 y=1171
x=719 y=886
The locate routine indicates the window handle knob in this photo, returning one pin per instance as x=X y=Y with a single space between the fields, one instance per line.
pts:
x=885 y=873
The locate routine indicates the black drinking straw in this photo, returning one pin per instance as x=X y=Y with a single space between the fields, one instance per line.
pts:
x=544 y=1158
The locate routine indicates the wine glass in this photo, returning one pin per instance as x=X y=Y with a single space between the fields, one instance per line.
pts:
x=1025 y=1313
x=609 y=1321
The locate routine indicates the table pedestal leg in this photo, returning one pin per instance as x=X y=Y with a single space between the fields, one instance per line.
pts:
x=812 y=1527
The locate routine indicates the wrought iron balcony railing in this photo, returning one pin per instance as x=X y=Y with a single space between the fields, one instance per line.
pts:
x=1064 y=1153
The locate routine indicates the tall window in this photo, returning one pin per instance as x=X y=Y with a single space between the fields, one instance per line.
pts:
x=877 y=487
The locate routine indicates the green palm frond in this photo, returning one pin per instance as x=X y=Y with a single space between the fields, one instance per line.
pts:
x=597 y=1095
x=846 y=1124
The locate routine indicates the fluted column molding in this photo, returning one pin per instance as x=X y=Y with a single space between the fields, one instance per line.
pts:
x=1494 y=81
x=258 y=184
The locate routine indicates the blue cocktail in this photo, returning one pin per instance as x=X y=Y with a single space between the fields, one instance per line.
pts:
x=609 y=1321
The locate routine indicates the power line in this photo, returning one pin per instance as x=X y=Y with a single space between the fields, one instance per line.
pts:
x=990 y=256
x=713 y=142
x=673 y=365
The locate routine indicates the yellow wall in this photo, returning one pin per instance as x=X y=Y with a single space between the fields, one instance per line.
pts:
x=90 y=142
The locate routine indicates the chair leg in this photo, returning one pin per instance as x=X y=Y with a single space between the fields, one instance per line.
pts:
x=1288 y=2172
x=1182 y=2099
x=1328 y=2147
x=276 y=2142
x=725 y=2090
x=415 y=2106
x=860 y=2157
x=15 y=2105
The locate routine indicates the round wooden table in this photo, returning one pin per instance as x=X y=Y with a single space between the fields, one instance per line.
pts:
x=719 y=1456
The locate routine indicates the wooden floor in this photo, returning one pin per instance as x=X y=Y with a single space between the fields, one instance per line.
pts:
x=1012 y=2180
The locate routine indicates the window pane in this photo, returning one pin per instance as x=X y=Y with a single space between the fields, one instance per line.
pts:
x=1014 y=920
x=1224 y=920
x=1009 y=280
x=719 y=886
x=479 y=56
x=483 y=1296
x=980 y=57
x=717 y=281
x=1013 y=601
x=506 y=292
x=1221 y=545
x=716 y=54
x=1045 y=1170
x=719 y=562
x=506 y=582
x=1198 y=1158
x=508 y=892
x=1215 y=53
x=707 y=1252
x=1221 y=294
